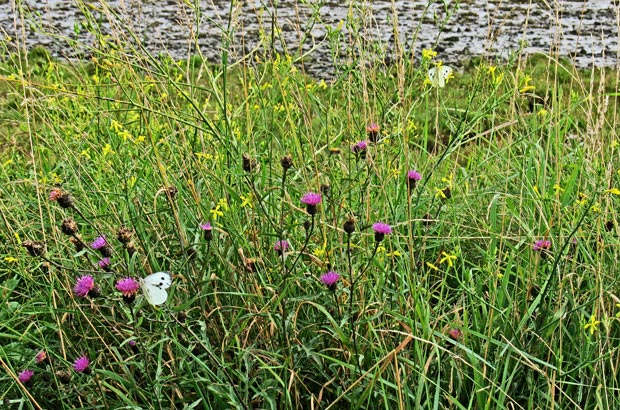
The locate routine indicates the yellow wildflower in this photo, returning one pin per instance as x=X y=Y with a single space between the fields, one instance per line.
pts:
x=107 y=150
x=614 y=191
x=430 y=265
x=246 y=200
x=11 y=259
x=216 y=213
x=526 y=85
x=591 y=325
x=428 y=54
x=449 y=259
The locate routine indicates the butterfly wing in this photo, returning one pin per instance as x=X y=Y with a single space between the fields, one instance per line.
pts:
x=439 y=75
x=432 y=76
x=444 y=75
x=154 y=287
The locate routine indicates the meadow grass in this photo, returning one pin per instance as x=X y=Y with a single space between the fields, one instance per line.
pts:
x=495 y=286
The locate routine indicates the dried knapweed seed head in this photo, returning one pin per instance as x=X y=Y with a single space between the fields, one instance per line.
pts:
x=248 y=164
x=34 y=248
x=172 y=191
x=64 y=376
x=65 y=200
x=131 y=248
x=77 y=242
x=191 y=253
x=609 y=225
x=124 y=235
x=349 y=226
x=286 y=162
x=69 y=227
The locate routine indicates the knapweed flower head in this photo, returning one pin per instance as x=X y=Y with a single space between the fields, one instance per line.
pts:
x=330 y=279
x=55 y=193
x=128 y=287
x=104 y=263
x=281 y=246
x=65 y=200
x=81 y=365
x=69 y=227
x=455 y=333
x=286 y=162
x=124 y=235
x=208 y=230
x=311 y=200
x=40 y=357
x=84 y=285
x=381 y=229
x=543 y=246
x=99 y=243
x=102 y=246
x=134 y=346
x=412 y=178
x=373 y=131
x=34 y=248
x=359 y=148
x=349 y=226
x=25 y=376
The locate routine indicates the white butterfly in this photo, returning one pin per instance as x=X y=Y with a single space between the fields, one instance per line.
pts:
x=439 y=75
x=154 y=287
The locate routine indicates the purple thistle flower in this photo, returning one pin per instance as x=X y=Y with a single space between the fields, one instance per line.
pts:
x=84 y=285
x=381 y=229
x=311 y=199
x=208 y=230
x=99 y=243
x=104 y=263
x=281 y=246
x=330 y=279
x=414 y=175
x=128 y=287
x=40 y=357
x=373 y=131
x=134 y=346
x=81 y=365
x=359 y=148
x=541 y=245
x=25 y=376
x=412 y=178
x=55 y=193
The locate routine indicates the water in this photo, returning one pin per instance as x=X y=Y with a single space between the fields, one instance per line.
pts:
x=587 y=32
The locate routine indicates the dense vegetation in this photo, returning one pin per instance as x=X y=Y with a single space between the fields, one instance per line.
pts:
x=470 y=231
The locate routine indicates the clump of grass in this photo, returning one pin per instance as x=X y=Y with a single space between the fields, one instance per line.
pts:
x=371 y=242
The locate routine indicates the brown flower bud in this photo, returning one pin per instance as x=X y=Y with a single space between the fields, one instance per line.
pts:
x=69 y=227
x=286 y=162
x=65 y=200
x=124 y=235
x=248 y=164
x=34 y=248
x=349 y=226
